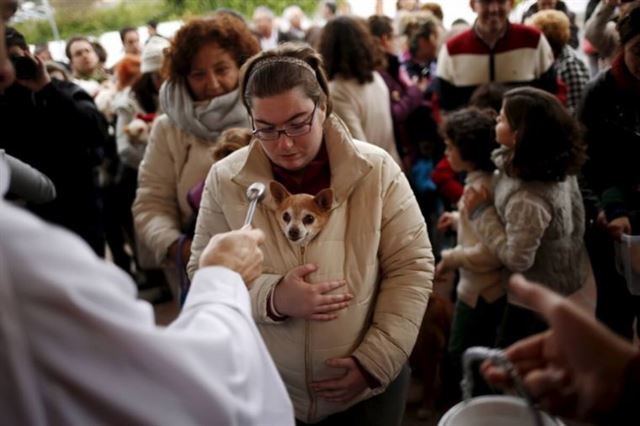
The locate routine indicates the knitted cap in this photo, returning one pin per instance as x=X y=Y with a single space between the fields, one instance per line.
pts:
x=153 y=54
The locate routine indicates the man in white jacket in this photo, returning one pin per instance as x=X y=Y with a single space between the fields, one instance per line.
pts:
x=77 y=347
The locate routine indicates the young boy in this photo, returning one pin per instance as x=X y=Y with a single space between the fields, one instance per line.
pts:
x=470 y=138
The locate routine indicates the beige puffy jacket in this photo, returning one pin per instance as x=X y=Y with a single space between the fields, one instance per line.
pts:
x=376 y=240
x=174 y=162
x=366 y=111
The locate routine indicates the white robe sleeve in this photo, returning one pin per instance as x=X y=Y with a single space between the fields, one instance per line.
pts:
x=79 y=348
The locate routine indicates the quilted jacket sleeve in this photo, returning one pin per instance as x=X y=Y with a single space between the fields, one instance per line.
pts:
x=516 y=241
x=407 y=265
x=155 y=210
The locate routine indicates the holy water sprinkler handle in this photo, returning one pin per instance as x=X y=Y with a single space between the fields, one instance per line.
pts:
x=255 y=193
x=498 y=358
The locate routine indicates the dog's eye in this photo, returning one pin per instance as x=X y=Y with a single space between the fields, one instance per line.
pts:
x=286 y=217
x=308 y=219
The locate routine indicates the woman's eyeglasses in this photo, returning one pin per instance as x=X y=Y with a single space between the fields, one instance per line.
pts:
x=292 y=130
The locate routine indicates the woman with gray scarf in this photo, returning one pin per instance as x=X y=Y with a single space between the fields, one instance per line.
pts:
x=200 y=100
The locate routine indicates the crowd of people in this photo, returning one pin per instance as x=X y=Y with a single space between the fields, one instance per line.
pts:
x=438 y=162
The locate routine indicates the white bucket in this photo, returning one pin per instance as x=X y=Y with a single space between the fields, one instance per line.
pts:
x=493 y=410
x=628 y=261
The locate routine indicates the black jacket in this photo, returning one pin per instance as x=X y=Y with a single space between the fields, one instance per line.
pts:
x=59 y=131
x=611 y=116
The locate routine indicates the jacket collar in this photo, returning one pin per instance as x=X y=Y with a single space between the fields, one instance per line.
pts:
x=501 y=37
x=474 y=176
x=499 y=156
x=348 y=165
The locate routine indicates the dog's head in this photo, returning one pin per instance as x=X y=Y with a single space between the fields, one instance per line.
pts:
x=137 y=130
x=301 y=216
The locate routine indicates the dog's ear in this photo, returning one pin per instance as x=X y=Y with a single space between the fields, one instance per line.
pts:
x=324 y=199
x=278 y=192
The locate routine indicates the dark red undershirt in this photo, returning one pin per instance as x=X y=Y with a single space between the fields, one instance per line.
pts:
x=315 y=177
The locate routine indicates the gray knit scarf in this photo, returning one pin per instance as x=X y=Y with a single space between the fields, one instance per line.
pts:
x=203 y=120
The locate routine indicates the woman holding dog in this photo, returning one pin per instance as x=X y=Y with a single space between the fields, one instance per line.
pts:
x=200 y=99
x=340 y=314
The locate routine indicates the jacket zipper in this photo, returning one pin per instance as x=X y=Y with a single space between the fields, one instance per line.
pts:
x=307 y=355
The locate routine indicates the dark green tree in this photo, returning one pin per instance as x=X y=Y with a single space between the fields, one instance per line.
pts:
x=86 y=17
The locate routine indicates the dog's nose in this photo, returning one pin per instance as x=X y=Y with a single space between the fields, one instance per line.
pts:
x=294 y=234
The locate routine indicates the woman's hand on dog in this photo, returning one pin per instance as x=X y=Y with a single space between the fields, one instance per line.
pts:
x=297 y=298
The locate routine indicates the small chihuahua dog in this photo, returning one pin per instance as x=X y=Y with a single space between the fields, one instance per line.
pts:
x=138 y=131
x=301 y=216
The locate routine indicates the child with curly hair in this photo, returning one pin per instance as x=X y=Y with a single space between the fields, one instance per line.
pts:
x=535 y=224
x=470 y=138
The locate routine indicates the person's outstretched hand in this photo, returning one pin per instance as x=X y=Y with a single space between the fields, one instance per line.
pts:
x=236 y=250
x=619 y=226
x=446 y=221
x=574 y=369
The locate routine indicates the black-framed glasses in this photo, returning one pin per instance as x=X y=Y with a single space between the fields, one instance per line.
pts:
x=292 y=130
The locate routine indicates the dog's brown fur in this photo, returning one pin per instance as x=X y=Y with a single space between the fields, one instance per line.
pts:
x=301 y=216
x=231 y=140
x=138 y=131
